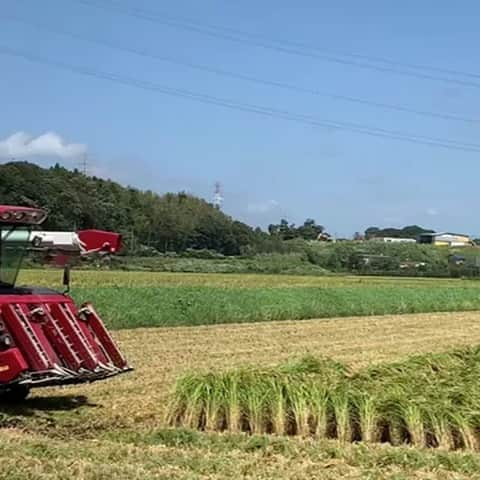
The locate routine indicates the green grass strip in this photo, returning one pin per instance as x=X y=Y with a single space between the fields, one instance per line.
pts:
x=131 y=307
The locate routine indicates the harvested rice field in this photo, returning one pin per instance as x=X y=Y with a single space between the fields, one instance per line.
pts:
x=118 y=429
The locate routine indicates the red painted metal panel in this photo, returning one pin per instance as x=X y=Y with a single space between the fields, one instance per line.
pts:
x=12 y=364
x=97 y=239
x=72 y=313
x=25 y=338
x=37 y=325
x=60 y=340
x=32 y=299
x=103 y=336
x=12 y=215
x=76 y=336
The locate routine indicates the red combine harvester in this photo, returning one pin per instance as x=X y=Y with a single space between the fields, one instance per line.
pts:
x=44 y=339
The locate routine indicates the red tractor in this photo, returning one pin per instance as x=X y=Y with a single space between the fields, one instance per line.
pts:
x=44 y=338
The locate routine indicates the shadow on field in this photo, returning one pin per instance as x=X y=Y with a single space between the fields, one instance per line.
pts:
x=32 y=405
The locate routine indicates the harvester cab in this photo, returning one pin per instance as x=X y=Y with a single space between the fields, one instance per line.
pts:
x=44 y=338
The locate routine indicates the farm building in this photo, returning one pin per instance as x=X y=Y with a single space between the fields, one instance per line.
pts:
x=325 y=237
x=393 y=240
x=445 y=239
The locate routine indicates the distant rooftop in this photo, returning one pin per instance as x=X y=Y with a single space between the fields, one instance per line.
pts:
x=437 y=234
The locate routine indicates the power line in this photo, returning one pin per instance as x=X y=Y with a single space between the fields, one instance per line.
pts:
x=283 y=46
x=297 y=44
x=240 y=76
x=245 y=107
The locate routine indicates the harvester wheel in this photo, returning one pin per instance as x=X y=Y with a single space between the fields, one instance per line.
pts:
x=17 y=393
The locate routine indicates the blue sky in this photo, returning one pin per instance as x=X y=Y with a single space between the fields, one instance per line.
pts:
x=269 y=167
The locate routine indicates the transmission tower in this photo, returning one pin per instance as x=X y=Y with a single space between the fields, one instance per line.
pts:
x=84 y=164
x=217 y=196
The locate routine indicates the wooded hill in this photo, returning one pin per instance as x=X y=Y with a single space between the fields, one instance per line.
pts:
x=191 y=227
x=170 y=222
x=151 y=223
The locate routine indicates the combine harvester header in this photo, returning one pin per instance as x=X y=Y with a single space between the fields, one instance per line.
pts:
x=44 y=339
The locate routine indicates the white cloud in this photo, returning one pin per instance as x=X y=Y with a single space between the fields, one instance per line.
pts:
x=21 y=145
x=262 y=207
x=432 y=212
